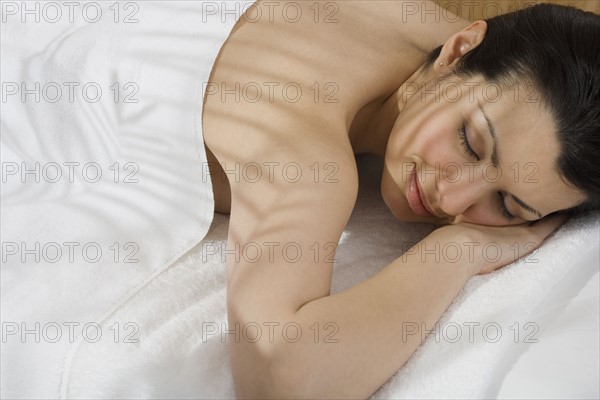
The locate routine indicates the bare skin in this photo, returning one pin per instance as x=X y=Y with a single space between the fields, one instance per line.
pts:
x=369 y=67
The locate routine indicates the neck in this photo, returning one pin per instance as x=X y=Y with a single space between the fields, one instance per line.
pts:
x=372 y=115
x=372 y=126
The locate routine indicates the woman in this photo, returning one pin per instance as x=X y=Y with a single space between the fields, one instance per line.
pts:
x=493 y=135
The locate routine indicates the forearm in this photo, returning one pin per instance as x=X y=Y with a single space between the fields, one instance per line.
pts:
x=371 y=342
x=373 y=319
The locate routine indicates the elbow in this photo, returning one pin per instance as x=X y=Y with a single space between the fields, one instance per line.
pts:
x=263 y=374
x=263 y=366
x=262 y=369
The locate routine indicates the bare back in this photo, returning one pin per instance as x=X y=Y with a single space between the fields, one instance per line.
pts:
x=312 y=78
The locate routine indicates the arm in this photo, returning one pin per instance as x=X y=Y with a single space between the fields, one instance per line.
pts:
x=293 y=227
x=372 y=320
x=372 y=317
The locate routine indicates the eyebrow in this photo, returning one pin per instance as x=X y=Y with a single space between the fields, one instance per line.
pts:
x=495 y=162
x=492 y=131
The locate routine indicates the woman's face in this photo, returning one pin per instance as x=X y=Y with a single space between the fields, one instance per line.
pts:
x=458 y=181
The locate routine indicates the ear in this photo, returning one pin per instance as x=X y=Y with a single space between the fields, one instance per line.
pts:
x=460 y=44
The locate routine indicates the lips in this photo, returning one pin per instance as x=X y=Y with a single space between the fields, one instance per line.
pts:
x=415 y=197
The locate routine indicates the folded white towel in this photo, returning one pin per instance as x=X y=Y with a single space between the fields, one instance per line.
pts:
x=181 y=315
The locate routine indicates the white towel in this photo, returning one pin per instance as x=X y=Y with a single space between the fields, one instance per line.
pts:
x=182 y=314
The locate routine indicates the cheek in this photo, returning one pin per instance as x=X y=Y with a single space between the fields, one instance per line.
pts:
x=484 y=215
x=426 y=133
x=437 y=143
x=392 y=194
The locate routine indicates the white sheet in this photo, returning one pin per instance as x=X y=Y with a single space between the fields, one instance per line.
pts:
x=109 y=88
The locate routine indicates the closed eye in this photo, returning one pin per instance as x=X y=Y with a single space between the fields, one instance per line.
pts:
x=502 y=204
x=462 y=133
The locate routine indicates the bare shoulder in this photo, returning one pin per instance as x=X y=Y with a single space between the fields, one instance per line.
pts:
x=289 y=208
x=294 y=184
x=419 y=24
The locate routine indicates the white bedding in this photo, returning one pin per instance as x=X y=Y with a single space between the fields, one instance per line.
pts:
x=109 y=96
x=181 y=353
x=170 y=299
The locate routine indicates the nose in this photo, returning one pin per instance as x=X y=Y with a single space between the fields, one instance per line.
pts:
x=460 y=191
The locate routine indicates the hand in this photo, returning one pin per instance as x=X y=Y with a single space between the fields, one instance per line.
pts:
x=504 y=244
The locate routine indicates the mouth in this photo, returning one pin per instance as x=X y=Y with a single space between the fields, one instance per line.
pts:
x=415 y=197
